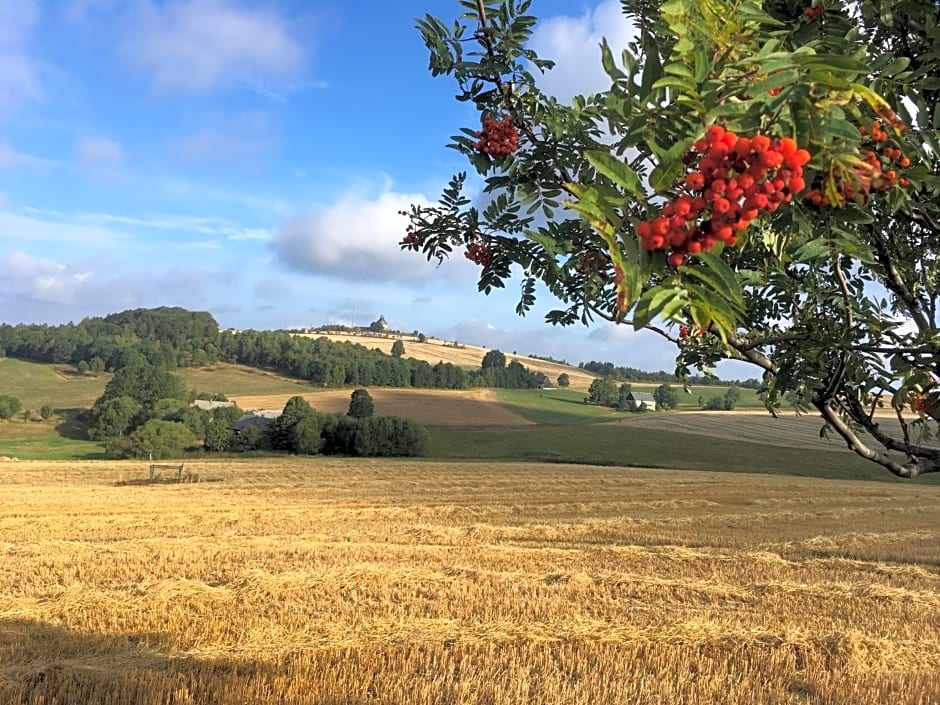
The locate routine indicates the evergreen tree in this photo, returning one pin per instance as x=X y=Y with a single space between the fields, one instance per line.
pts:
x=360 y=404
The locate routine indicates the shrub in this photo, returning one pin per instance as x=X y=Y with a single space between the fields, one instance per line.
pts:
x=9 y=406
x=162 y=439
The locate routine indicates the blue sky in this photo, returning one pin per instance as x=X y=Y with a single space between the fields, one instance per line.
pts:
x=249 y=158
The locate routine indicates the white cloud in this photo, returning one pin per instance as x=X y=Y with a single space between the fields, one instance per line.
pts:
x=574 y=44
x=19 y=73
x=40 y=280
x=19 y=80
x=37 y=288
x=98 y=152
x=17 y=18
x=237 y=140
x=272 y=289
x=183 y=223
x=79 y=11
x=196 y=45
x=32 y=229
x=355 y=238
x=12 y=158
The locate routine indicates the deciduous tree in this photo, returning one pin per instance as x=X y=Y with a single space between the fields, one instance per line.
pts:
x=666 y=397
x=759 y=183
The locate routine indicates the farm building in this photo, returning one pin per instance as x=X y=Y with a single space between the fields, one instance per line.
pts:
x=641 y=401
x=260 y=418
x=207 y=405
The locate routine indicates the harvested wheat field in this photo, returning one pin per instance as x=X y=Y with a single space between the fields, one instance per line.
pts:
x=333 y=581
x=432 y=407
x=434 y=350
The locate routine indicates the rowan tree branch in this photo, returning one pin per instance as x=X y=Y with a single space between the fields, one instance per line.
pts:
x=859 y=447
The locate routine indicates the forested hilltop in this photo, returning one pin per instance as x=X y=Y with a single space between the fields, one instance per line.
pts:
x=170 y=338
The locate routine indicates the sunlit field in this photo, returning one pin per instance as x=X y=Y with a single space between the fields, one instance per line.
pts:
x=434 y=350
x=348 y=581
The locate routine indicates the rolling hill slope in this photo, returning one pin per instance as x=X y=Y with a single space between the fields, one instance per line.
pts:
x=434 y=350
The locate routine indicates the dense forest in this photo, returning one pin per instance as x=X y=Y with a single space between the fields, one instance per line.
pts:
x=169 y=338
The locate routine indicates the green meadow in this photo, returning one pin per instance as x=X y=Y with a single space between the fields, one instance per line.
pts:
x=563 y=427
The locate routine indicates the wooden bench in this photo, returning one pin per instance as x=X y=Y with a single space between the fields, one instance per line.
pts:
x=157 y=467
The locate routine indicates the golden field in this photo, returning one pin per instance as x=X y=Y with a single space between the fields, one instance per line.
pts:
x=434 y=350
x=432 y=407
x=289 y=581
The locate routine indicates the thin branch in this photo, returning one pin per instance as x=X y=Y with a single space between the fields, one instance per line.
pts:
x=773 y=340
x=504 y=94
x=838 y=374
x=904 y=430
x=858 y=446
x=895 y=283
x=751 y=355
x=854 y=409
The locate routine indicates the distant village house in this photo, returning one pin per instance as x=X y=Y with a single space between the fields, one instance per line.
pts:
x=641 y=401
x=208 y=405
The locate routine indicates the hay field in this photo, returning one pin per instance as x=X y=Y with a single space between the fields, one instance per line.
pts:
x=36 y=384
x=432 y=407
x=330 y=581
x=434 y=350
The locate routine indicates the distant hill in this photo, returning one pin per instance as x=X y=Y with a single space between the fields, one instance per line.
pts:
x=434 y=350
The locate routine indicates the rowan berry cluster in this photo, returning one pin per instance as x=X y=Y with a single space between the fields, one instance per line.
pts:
x=592 y=262
x=921 y=404
x=479 y=253
x=410 y=240
x=497 y=138
x=876 y=173
x=814 y=12
x=733 y=180
x=688 y=331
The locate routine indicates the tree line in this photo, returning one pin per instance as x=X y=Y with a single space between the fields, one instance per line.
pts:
x=170 y=338
x=632 y=374
x=147 y=412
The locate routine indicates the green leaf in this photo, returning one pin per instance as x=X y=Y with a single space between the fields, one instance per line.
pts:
x=616 y=170
x=683 y=85
x=653 y=301
x=719 y=276
x=607 y=60
x=677 y=68
x=813 y=250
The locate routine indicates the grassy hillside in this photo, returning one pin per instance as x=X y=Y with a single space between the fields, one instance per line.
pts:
x=36 y=384
x=689 y=401
x=628 y=445
x=466 y=356
x=292 y=581
x=239 y=380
